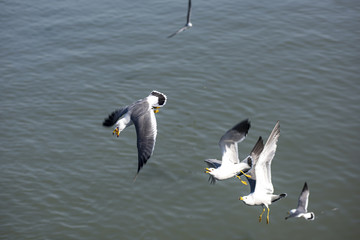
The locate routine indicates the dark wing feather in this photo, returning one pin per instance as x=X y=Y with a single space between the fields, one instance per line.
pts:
x=188 y=14
x=253 y=156
x=114 y=117
x=236 y=134
x=255 y=153
x=229 y=142
x=214 y=163
x=180 y=30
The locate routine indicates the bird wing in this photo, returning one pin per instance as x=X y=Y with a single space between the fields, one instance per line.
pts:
x=187 y=22
x=145 y=124
x=303 y=199
x=263 y=165
x=254 y=155
x=114 y=117
x=188 y=13
x=229 y=142
x=178 y=31
x=214 y=163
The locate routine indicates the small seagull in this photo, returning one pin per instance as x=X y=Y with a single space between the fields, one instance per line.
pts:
x=188 y=23
x=301 y=210
x=261 y=191
x=230 y=166
x=142 y=114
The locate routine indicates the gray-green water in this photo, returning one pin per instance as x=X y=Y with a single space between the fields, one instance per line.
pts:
x=65 y=65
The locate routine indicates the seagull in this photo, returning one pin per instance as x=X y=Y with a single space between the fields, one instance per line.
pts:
x=261 y=188
x=301 y=210
x=230 y=166
x=188 y=23
x=142 y=114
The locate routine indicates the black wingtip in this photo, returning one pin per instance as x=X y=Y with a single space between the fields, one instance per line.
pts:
x=259 y=147
x=243 y=126
x=142 y=160
x=137 y=173
x=305 y=187
x=110 y=120
x=140 y=165
x=113 y=117
x=281 y=196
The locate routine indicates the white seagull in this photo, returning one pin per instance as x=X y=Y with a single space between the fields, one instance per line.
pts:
x=301 y=210
x=261 y=190
x=142 y=114
x=188 y=23
x=230 y=166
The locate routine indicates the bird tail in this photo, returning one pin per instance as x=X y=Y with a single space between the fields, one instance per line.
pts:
x=278 y=197
x=309 y=216
x=114 y=117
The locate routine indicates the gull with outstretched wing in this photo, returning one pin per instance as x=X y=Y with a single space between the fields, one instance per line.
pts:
x=142 y=114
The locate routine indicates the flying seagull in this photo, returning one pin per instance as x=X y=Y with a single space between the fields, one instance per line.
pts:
x=261 y=191
x=188 y=23
x=142 y=114
x=301 y=210
x=230 y=165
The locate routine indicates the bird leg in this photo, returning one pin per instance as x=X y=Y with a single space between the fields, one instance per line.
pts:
x=116 y=131
x=242 y=181
x=260 y=217
x=246 y=175
x=267 y=217
x=156 y=109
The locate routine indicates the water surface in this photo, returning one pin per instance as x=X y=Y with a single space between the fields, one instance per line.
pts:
x=66 y=65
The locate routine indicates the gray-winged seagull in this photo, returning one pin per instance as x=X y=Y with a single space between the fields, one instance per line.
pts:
x=230 y=165
x=142 y=114
x=188 y=23
x=301 y=210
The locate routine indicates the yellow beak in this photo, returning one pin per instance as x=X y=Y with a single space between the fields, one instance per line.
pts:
x=241 y=198
x=156 y=109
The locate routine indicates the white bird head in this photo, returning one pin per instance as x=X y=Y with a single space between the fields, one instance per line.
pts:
x=157 y=99
x=248 y=200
